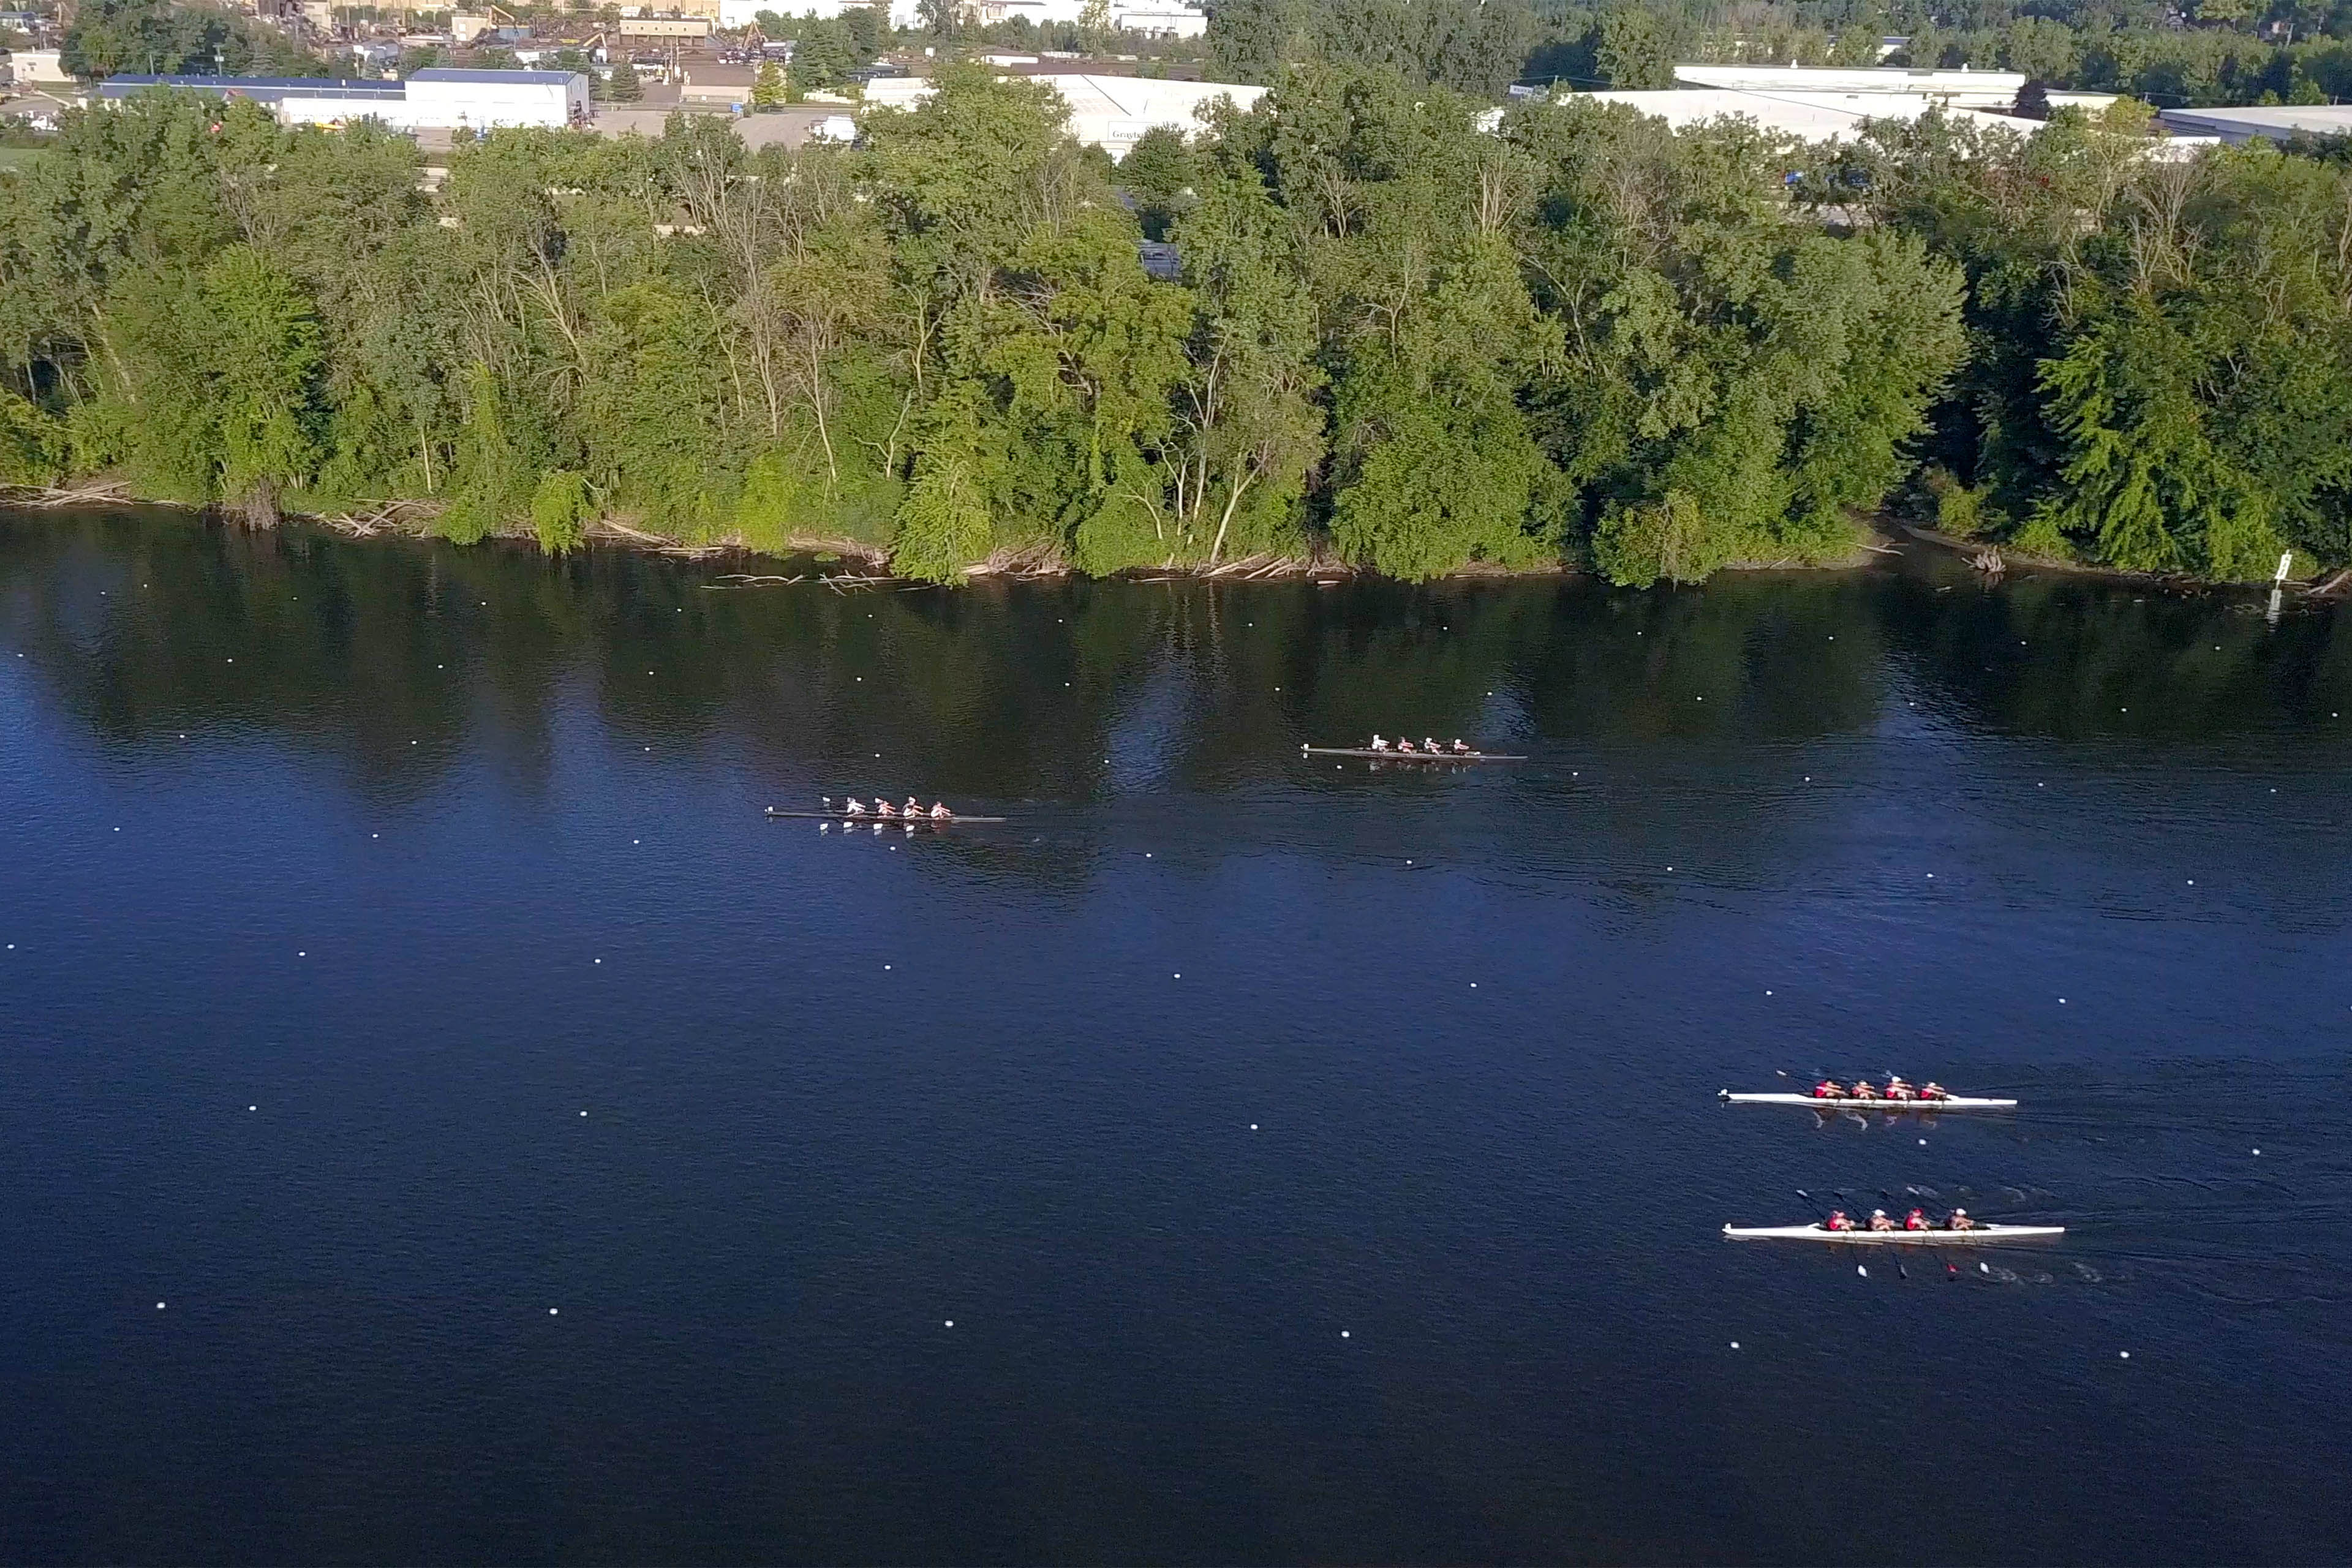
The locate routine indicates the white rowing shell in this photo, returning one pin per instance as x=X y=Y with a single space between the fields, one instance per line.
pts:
x=1955 y=1103
x=1892 y=1237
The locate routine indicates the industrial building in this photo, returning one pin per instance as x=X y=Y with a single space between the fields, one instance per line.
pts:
x=1961 y=88
x=2277 y=122
x=439 y=99
x=1111 y=113
x=1808 y=116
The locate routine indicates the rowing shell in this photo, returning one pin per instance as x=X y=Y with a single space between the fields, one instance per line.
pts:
x=1408 y=756
x=1892 y=1237
x=1845 y=1103
x=956 y=821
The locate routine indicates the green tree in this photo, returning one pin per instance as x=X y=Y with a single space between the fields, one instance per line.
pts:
x=266 y=358
x=769 y=92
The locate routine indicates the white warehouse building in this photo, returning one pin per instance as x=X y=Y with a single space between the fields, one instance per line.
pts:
x=440 y=100
x=1111 y=113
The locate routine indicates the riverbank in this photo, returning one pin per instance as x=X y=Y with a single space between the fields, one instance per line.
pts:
x=1881 y=538
x=414 y=519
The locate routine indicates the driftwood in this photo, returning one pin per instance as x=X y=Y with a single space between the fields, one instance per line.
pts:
x=1988 y=561
x=47 y=496
x=400 y=516
x=2333 y=586
x=753 y=580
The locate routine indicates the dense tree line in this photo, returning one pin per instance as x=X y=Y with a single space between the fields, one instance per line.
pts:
x=1400 y=338
x=112 y=37
x=2205 y=52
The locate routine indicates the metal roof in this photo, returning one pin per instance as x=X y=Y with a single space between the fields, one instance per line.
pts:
x=261 y=88
x=494 y=79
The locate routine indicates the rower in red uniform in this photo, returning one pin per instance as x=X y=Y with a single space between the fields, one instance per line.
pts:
x=1898 y=1090
x=1837 y=1221
x=1931 y=1089
x=1828 y=1088
x=1403 y=744
x=1916 y=1220
x=1863 y=1090
x=882 y=807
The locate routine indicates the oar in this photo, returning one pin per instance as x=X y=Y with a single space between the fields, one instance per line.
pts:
x=1839 y=1194
x=1951 y=1274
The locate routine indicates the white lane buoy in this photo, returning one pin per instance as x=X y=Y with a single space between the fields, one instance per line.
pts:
x=1984 y=1268
x=1253 y=1126
x=1474 y=985
x=1923 y=1142
x=1858 y=1268
x=1343 y=1333
x=584 y=1113
x=951 y=1322
x=253 y=1108
x=159 y=1306
x=2258 y=1150
x=550 y=1311
x=2125 y=1355
x=1735 y=1345
x=600 y=961
x=1180 y=975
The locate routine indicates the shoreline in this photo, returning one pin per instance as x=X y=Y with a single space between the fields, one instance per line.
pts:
x=1881 y=538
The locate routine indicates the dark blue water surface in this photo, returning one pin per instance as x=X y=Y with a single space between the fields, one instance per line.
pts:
x=442 y=1119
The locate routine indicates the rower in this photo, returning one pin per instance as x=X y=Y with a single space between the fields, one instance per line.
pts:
x=912 y=808
x=1878 y=1220
x=940 y=811
x=1916 y=1220
x=1429 y=744
x=882 y=807
x=1379 y=744
x=1863 y=1090
x=1898 y=1089
x=1960 y=1221
x=856 y=808
x=1931 y=1089
x=1461 y=747
x=1828 y=1088
x=1837 y=1221
x=1403 y=744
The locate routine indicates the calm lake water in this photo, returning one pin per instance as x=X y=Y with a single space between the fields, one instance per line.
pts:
x=441 y=1119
